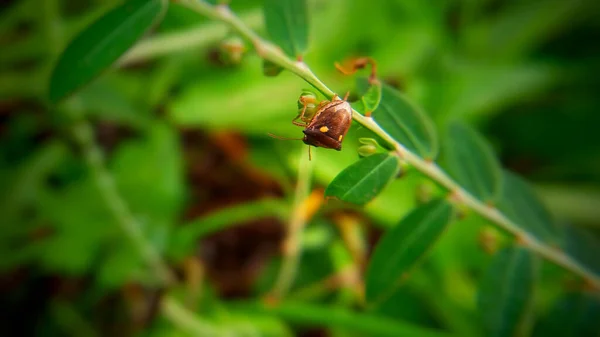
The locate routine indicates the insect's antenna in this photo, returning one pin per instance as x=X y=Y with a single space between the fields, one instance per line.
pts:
x=309 y=154
x=282 y=138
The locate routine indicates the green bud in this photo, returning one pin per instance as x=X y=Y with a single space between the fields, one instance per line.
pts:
x=232 y=50
x=367 y=150
x=368 y=141
x=270 y=69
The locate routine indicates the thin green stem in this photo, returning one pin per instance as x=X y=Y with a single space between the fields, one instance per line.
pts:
x=180 y=316
x=83 y=135
x=293 y=240
x=186 y=320
x=184 y=40
x=271 y=53
x=82 y=132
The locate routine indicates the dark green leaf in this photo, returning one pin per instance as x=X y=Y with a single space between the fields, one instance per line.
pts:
x=471 y=161
x=287 y=24
x=404 y=122
x=520 y=203
x=402 y=246
x=575 y=314
x=101 y=44
x=271 y=69
x=364 y=180
x=584 y=246
x=506 y=293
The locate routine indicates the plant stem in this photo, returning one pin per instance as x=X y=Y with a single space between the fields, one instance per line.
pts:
x=292 y=248
x=270 y=52
x=84 y=137
x=106 y=186
x=180 y=316
x=186 y=320
x=184 y=40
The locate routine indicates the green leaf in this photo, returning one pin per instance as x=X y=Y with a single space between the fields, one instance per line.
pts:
x=101 y=44
x=583 y=246
x=149 y=174
x=271 y=69
x=287 y=24
x=361 y=324
x=402 y=246
x=471 y=161
x=371 y=98
x=520 y=204
x=364 y=180
x=184 y=238
x=80 y=230
x=575 y=314
x=404 y=122
x=506 y=293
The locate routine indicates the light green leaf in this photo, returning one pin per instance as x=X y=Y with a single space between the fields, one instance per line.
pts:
x=101 y=44
x=371 y=98
x=406 y=123
x=471 y=161
x=186 y=235
x=520 y=203
x=149 y=174
x=287 y=24
x=79 y=231
x=402 y=246
x=506 y=293
x=362 y=324
x=364 y=180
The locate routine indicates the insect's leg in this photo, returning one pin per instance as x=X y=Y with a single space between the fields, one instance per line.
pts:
x=309 y=154
x=302 y=124
x=322 y=104
x=346 y=96
x=305 y=102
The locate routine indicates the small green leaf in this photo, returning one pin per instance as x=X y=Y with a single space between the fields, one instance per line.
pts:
x=471 y=161
x=371 y=99
x=404 y=122
x=287 y=24
x=364 y=180
x=101 y=44
x=403 y=246
x=506 y=293
x=520 y=204
x=271 y=69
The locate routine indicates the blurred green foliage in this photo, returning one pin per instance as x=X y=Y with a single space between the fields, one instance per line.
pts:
x=184 y=134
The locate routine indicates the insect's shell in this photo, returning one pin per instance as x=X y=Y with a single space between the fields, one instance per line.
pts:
x=329 y=125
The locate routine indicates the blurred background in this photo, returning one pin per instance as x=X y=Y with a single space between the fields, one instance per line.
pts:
x=183 y=126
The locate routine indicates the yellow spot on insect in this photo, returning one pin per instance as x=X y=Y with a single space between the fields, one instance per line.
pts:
x=324 y=129
x=340 y=138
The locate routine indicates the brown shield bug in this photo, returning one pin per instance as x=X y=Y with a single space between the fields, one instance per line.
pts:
x=326 y=125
